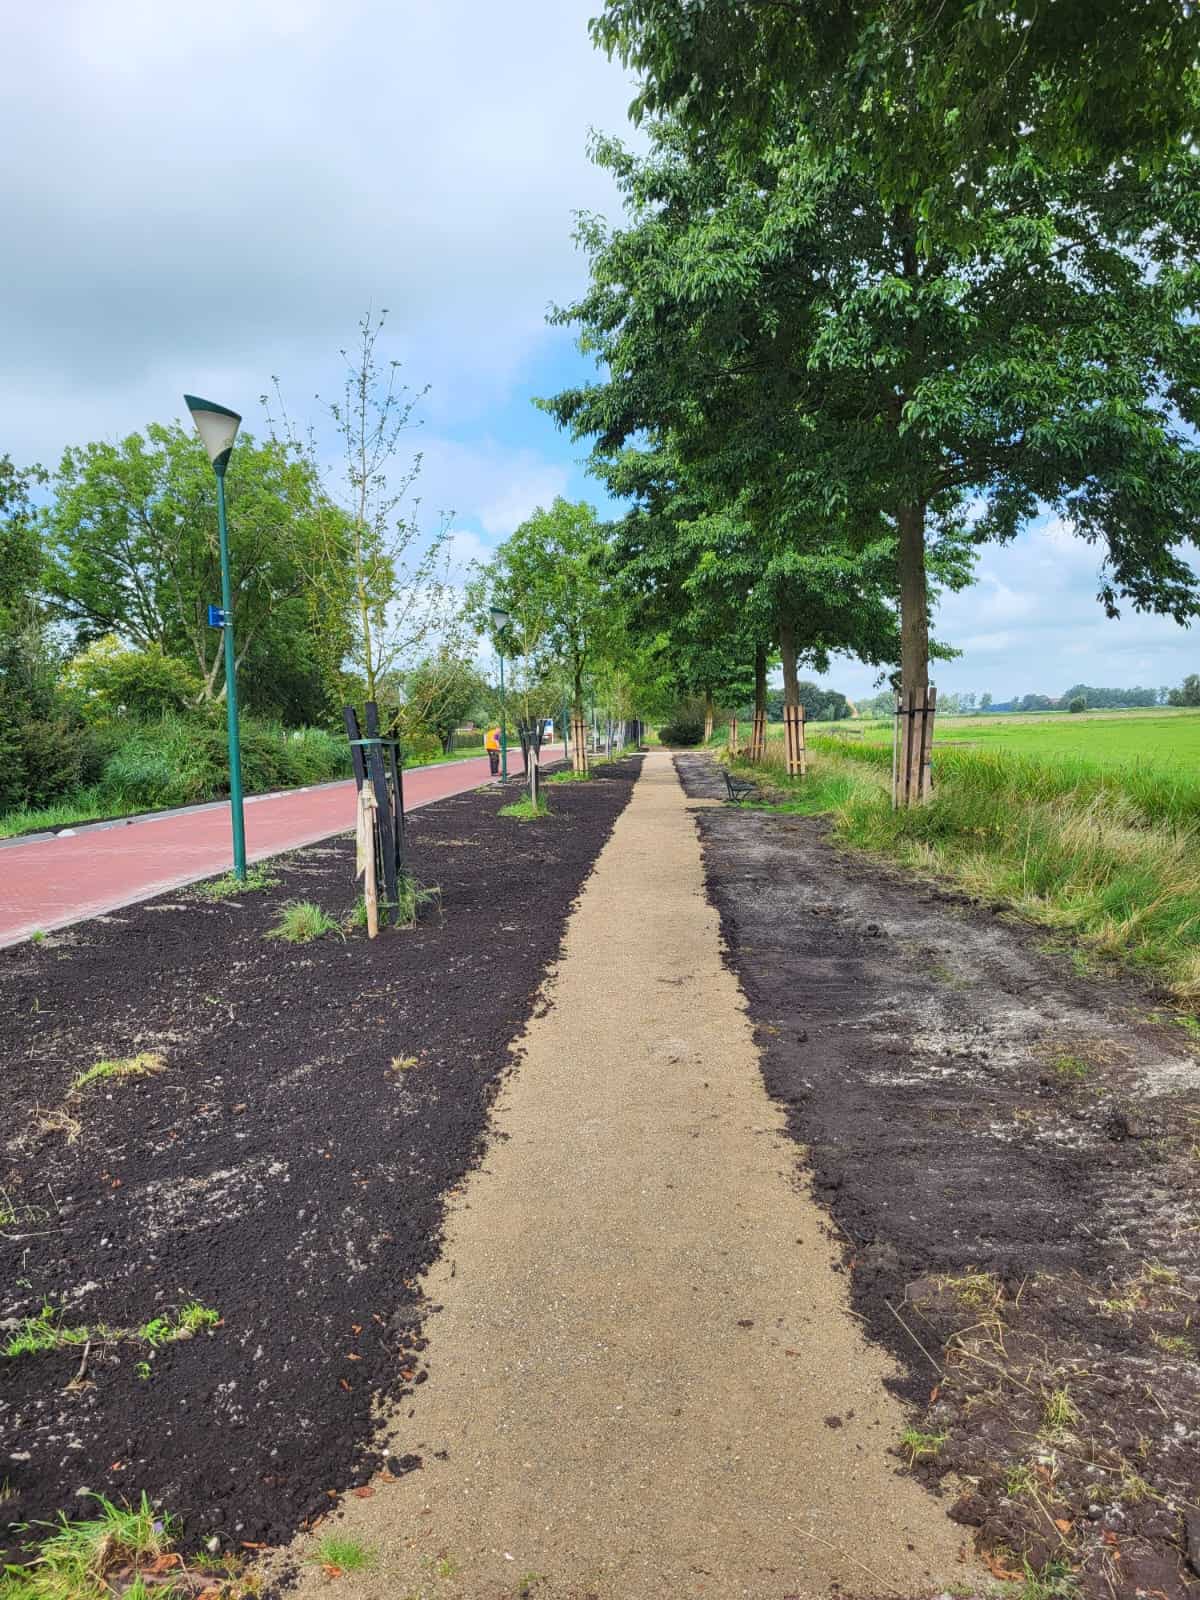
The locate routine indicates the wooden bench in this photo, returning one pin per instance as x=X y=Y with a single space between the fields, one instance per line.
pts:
x=739 y=789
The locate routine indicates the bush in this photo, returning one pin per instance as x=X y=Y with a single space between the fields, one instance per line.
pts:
x=182 y=761
x=420 y=744
x=113 y=680
x=55 y=756
x=1077 y=704
x=684 y=730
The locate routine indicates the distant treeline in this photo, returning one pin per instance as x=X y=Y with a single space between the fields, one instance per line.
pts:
x=826 y=705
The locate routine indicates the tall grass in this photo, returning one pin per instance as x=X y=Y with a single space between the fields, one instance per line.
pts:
x=180 y=761
x=1108 y=855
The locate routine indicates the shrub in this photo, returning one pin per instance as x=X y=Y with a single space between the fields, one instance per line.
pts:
x=53 y=755
x=683 y=729
x=113 y=680
x=1078 y=704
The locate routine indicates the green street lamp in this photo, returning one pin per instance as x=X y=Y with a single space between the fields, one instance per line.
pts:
x=500 y=621
x=218 y=428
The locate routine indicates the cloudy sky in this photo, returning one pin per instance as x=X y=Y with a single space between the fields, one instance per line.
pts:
x=201 y=197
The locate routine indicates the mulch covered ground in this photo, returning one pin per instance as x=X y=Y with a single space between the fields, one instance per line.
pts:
x=287 y=1168
x=1011 y=1157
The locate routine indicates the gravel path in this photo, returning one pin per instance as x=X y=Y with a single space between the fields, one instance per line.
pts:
x=644 y=1379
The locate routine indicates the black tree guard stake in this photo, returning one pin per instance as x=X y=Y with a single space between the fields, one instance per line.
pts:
x=367 y=756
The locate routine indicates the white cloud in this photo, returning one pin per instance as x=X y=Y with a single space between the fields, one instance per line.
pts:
x=218 y=195
x=1031 y=624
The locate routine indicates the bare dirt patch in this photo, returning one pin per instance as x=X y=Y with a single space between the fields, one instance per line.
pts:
x=280 y=1168
x=1011 y=1155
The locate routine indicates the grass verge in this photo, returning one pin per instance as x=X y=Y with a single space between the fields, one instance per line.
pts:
x=1110 y=857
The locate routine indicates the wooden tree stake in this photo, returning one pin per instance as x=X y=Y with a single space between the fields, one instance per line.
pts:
x=793 y=733
x=912 y=763
x=367 y=846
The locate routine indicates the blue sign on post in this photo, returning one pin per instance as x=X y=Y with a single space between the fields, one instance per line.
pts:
x=216 y=617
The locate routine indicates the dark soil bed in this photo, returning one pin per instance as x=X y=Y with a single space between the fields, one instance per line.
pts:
x=287 y=1167
x=1011 y=1158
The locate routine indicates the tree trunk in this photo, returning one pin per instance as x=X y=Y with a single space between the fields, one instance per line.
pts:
x=914 y=606
x=791 y=679
x=579 y=754
x=709 y=714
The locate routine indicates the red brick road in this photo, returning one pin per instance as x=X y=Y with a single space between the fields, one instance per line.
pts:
x=49 y=883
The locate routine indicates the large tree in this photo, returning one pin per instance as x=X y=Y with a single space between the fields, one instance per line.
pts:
x=132 y=550
x=551 y=575
x=924 y=97
x=778 y=317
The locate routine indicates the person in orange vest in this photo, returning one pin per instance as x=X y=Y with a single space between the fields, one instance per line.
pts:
x=491 y=743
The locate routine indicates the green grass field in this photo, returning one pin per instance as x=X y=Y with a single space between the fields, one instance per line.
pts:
x=1088 y=825
x=1158 y=737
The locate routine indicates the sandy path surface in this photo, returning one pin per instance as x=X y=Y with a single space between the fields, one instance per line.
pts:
x=644 y=1381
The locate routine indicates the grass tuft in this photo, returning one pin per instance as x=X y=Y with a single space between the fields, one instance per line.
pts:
x=344 y=1554
x=524 y=810
x=921 y=1446
x=568 y=777
x=46 y=1333
x=145 y=1065
x=229 y=887
x=75 y=1560
x=302 y=921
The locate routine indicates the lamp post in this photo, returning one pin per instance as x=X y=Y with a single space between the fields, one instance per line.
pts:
x=217 y=427
x=500 y=621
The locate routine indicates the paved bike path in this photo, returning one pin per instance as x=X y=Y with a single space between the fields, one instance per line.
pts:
x=48 y=883
x=645 y=1382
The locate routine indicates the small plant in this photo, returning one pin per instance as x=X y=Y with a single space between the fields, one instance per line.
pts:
x=1173 y=1344
x=45 y=1333
x=302 y=921
x=404 y=1063
x=1071 y=1067
x=337 y=1553
x=193 y=1318
x=921 y=1446
x=411 y=895
x=142 y=1370
x=15 y=1213
x=145 y=1065
x=1059 y=1411
x=75 y=1560
x=257 y=878
x=1019 y=1481
x=36 y=1335
x=38 y=936
x=1054 y=1581
x=567 y=777
x=524 y=810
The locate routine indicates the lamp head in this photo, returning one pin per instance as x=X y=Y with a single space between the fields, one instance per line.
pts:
x=500 y=619
x=217 y=427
